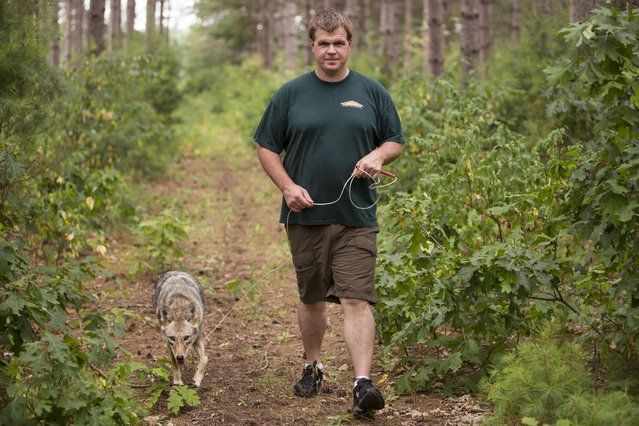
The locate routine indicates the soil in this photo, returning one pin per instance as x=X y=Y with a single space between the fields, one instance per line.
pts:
x=239 y=253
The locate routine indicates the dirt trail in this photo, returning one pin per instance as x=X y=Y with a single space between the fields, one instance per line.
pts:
x=255 y=354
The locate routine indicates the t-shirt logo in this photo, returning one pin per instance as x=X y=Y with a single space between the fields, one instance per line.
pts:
x=352 y=104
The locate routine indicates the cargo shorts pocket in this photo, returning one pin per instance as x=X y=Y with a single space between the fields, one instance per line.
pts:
x=366 y=244
x=308 y=273
x=305 y=266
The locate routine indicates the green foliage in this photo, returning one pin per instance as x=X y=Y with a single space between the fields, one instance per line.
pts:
x=545 y=380
x=178 y=396
x=162 y=236
x=462 y=268
x=69 y=141
x=238 y=94
x=108 y=112
x=181 y=396
x=496 y=232
x=25 y=82
x=51 y=369
x=601 y=199
x=160 y=84
x=536 y=379
x=74 y=207
x=227 y=29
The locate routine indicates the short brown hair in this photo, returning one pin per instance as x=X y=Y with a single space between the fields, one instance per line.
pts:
x=330 y=20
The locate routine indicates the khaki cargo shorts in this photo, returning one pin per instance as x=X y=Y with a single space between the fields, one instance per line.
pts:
x=334 y=261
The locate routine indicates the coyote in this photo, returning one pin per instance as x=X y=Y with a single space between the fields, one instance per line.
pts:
x=178 y=304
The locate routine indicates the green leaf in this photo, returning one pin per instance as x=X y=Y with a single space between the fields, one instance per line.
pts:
x=189 y=395
x=231 y=286
x=529 y=421
x=153 y=396
x=616 y=187
x=403 y=385
x=452 y=363
x=174 y=401
x=15 y=302
x=180 y=396
x=635 y=96
x=72 y=404
x=627 y=212
x=500 y=210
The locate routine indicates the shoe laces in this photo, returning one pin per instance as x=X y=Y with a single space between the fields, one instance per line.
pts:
x=312 y=372
x=363 y=385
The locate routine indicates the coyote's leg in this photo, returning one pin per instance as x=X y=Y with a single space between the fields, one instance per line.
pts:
x=203 y=360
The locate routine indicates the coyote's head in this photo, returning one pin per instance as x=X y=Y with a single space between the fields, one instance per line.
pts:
x=180 y=327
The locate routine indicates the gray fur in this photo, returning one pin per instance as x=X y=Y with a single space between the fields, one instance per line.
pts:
x=173 y=284
x=178 y=302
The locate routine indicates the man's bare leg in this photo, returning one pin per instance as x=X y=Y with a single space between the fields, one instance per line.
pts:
x=312 y=322
x=359 y=334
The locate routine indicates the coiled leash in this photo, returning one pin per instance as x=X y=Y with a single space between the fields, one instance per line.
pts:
x=349 y=183
x=377 y=184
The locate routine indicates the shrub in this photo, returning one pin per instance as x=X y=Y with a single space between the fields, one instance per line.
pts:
x=545 y=380
x=462 y=266
x=54 y=349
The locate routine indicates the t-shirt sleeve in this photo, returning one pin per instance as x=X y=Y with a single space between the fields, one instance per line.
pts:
x=270 y=132
x=391 y=125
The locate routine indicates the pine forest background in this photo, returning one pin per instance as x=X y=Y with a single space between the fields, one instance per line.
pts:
x=508 y=261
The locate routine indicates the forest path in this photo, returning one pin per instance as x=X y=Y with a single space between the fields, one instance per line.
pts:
x=255 y=355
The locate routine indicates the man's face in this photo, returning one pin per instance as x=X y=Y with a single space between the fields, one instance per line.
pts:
x=331 y=51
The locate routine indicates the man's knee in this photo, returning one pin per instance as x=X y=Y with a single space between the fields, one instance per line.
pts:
x=354 y=304
x=313 y=308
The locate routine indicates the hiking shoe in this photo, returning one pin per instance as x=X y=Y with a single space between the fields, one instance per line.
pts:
x=366 y=398
x=311 y=381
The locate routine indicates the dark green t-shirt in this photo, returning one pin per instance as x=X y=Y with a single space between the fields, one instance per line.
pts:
x=324 y=129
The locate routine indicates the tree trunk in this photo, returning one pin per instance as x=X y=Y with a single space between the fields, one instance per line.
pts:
x=161 y=20
x=434 y=37
x=470 y=38
x=130 y=22
x=364 y=31
x=388 y=30
x=150 y=23
x=485 y=12
x=308 y=55
x=54 y=55
x=96 y=26
x=515 y=21
x=289 y=12
x=351 y=9
x=278 y=24
x=265 y=39
x=80 y=14
x=543 y=13
x=115 y=27
x=68 y=30
x=408 y=33
x=580 y=9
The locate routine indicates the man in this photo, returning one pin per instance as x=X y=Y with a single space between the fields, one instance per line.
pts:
x=331 y=123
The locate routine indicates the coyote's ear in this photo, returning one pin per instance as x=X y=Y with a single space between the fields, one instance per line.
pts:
x=165 y=316
x=190 y=314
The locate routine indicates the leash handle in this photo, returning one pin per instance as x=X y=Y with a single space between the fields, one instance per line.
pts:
x=384 y=172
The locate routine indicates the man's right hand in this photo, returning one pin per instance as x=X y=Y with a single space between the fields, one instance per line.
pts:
x=297 y=198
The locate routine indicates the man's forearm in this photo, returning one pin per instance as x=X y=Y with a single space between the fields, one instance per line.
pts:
x=296 y=197
x=272 y=164
x=390 y=151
